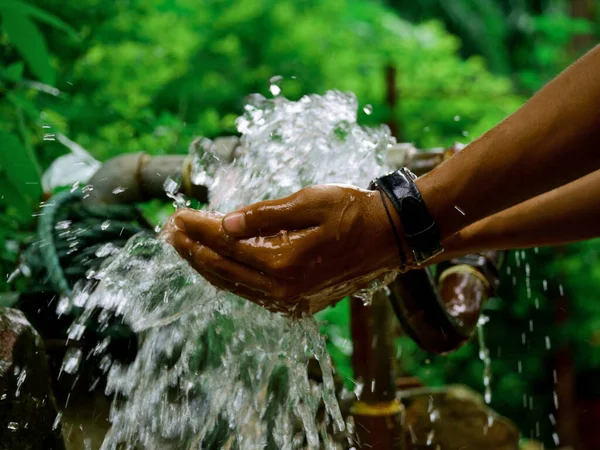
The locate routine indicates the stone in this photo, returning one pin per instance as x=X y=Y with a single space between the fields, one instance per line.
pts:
x=454 y=418
x=27 y=405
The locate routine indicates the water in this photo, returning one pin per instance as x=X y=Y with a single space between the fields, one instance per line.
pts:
x=213 y=370
x=484 y=356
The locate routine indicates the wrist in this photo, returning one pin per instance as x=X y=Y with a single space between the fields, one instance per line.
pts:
x=396 y=252
x=415 y=230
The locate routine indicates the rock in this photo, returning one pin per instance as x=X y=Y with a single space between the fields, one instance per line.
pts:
x=454 y=418
x=27 y=405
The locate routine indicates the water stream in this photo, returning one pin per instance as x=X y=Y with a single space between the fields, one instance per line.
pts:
x=213 y=370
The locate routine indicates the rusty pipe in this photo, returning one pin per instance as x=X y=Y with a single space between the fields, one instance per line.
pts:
x=441 y=316
x=138 y=177
x=376 y=412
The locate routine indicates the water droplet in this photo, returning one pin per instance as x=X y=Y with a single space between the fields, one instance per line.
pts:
x=13 y=426
x=456 y=118
x=459 y=210
x=57 y=420
x=484 y=356
x=62 y=225
x=86 y=190
x=63 y=306
x=72 y=360
x=358 y=389
x=368 y=109
x=20 y=381
x=104 y=226
x=274 y=85
x=119 y=190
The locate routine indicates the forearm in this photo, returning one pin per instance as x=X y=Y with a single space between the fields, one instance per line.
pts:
x=548 y=142
x=566 y=214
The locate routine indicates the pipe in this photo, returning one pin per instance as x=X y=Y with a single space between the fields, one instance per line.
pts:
x=442 y=316
x=138 y=177
x=376 y=412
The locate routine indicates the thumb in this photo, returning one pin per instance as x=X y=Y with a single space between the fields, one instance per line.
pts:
x=268 y=218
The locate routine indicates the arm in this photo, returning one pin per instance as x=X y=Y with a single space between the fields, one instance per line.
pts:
x=566 y=214
x=552 y=140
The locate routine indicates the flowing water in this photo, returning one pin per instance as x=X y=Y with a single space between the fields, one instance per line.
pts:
x=213 y=370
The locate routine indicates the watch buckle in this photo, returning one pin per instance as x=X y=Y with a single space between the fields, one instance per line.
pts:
x=422 y=258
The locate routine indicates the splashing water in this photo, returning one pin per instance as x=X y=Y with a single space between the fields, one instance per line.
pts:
x=213 y=370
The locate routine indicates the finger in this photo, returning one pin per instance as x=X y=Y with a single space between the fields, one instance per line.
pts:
x=205 y=260
x=298 y=211
x=281 y=255
x=240 y=280
x=296 y=309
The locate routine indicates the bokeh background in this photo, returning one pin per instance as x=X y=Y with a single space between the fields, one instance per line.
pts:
x=127 y=76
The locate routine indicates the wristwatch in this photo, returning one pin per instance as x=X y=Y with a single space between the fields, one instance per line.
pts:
x=421 y=232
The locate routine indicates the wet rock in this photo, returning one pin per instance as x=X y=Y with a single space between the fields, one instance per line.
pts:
x=27 y=405
x=454 y=418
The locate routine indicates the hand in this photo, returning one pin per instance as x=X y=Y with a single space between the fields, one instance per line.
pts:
x=300 y=253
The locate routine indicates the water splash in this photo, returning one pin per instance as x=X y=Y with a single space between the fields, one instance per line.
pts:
x=213 y=370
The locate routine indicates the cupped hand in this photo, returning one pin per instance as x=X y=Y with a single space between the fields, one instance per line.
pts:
x=303 y=252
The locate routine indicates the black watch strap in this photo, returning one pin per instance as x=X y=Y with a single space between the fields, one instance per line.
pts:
x=421 y=232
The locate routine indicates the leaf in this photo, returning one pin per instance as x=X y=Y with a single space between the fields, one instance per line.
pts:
x=23 y=33
x=25 y=105
x=17 y=206
x=39 y=14
x=20 y=169
x=14 y=72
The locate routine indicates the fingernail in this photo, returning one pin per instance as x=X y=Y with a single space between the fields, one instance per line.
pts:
x=180 y=224
x=234 y=223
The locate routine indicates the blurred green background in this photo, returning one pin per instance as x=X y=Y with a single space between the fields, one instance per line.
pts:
x=150 y=75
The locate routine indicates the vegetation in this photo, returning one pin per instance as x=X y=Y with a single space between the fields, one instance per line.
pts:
x=149 y=76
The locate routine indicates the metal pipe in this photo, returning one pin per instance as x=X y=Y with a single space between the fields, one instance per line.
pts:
x=138 y=177
x=377 y=413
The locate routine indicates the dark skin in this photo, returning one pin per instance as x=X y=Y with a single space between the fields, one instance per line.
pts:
x=336 y=239
x=532 y=180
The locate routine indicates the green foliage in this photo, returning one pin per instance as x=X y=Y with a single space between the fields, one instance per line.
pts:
x=19 y=168
x=530 y=40
x=188 y=70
